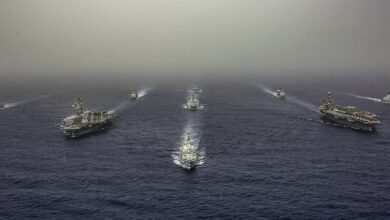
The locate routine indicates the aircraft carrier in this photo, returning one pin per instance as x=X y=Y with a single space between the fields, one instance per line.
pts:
x=85 y=122
x=348 y=116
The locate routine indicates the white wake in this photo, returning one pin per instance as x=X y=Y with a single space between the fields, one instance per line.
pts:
x=365 y=97
x=14 y=104
x=307 y=105
x=125 y=104
x=143 y=92
x=266 y=90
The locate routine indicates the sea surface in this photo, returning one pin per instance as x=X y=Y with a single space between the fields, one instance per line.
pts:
x=261 y=157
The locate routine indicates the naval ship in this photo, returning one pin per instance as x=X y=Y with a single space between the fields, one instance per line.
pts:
x=134 y=95
x=2 y=106
x=85 y=122
x=188 y=154
x=386 y=99
x=195 y=88
x=193 y=104
x=348 y=116
x=280 y=93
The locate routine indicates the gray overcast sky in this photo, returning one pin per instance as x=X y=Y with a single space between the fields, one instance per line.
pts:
x=189 y=36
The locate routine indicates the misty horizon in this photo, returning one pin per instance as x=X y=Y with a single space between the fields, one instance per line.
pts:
x=60 y=39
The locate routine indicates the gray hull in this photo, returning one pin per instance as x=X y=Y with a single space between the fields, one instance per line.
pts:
x=349 y=124
x=188 y=164
x=75 y=133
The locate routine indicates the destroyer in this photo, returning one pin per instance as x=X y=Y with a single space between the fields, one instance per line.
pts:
x=188 y=154
x=280 y=93
x=386 y=99
x=134 y=95
x=192 y=104
x=195 y=88
x=84 y=122
x=348 y=116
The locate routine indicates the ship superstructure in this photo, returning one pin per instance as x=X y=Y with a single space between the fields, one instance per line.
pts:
x=188 y=154
x=386 y=99
x=193 y=104
x=134 y=95
x=84 y=122
x=195 y=88
x=349 y=116
x=280 y=93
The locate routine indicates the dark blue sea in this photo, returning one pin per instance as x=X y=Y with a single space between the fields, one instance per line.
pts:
x=262 y=157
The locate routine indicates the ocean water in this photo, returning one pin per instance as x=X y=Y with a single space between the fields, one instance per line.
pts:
x=262 y=157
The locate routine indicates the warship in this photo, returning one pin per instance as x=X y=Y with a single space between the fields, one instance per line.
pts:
x=188 y=154
x=2 y=106
x=386 y=99
x=280 y=93
x=193 y=104
x=348 y=116
x=134 y=95
x=195 y=88
x=85 y=122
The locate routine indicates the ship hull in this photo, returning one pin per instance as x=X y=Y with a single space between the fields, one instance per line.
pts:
x=87 y=130
x=348 y=124
x=385 y=101
x=188 y=164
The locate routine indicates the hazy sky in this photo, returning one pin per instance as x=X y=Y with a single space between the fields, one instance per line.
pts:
x=193 y=36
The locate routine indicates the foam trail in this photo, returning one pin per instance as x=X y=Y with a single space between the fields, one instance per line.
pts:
x=125 y=104
x=195 y=137
x=121 y=106
x=266 y=90
x=193 y=92
x=304 y=104
x=14 y=104
x=143 y=92
x=365 y=97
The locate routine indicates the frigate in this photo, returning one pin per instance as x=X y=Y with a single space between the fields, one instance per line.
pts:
x=188 y=154
x=193 y=104
x=134 y=95
x=280 y=93
x=386 y=99
x=85 y=122
x=195 y=88
x=348 y=116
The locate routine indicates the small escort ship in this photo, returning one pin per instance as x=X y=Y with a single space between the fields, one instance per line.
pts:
x=134 y=95
x=348 y=116
x=195 y=88
x=386 y=99
x=193 y=104
x=280 y=93
x=85 y=122
x=188 y=154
